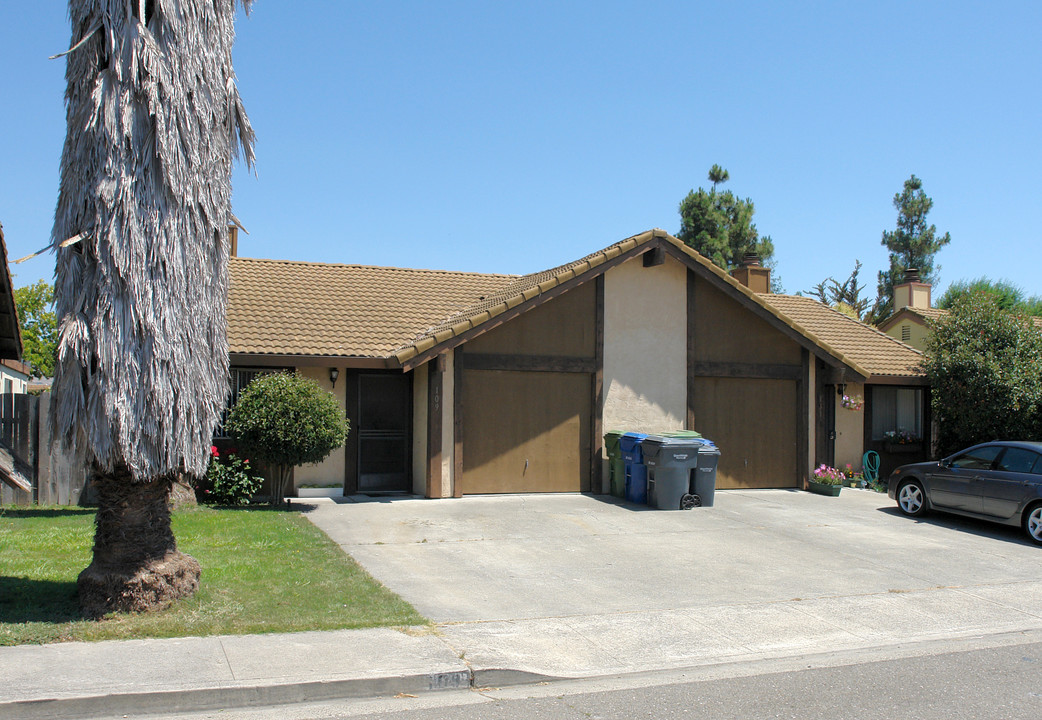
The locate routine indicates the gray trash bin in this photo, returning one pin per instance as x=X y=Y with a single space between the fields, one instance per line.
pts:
x=703 y=486
x=670 y=463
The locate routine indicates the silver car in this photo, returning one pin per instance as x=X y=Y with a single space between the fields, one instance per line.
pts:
x=998 y=481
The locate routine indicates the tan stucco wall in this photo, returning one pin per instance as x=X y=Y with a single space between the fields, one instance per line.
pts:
x=850 y=430
x=419 y=430
x=918 y=332
x=812 y=436
x=331 y=470
x=645 y=347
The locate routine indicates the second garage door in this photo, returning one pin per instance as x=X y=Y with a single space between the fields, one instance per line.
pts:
x=525 y=432
x=753 y=421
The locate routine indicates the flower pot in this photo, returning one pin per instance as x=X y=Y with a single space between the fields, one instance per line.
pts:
x=823 y=489
x=903 y=448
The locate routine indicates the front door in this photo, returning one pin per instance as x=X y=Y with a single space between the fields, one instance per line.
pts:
x=384 y=442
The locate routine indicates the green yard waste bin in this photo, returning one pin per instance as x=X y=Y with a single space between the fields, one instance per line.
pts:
x=680 y=434
x=616 y=468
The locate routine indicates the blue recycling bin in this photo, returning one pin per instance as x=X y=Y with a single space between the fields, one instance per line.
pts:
x=633 y=461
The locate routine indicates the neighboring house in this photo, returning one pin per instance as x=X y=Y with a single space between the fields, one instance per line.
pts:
x=14 y=376
x=465 y=383
x=913 y=317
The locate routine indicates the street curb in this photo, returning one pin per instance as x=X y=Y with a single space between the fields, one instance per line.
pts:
x=220 y=698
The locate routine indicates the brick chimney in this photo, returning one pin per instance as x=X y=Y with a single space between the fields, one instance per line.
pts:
x=912 y=293
x=753 y=275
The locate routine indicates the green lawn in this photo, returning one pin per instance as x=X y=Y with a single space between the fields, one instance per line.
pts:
x=263 y=571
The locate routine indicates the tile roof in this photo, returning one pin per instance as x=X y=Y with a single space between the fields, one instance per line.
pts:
x=877 y=352
x=278 y=307
x=311 y=309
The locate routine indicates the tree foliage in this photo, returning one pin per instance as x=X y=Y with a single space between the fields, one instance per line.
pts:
x=913 y=244
x=39 y=326
x=719 y=225
x=985 y=368
x=283 y=420
x=1007 y=295
x=843 y=296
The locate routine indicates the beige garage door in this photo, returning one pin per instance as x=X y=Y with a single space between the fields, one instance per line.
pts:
x=754 y=424
x=525 y=432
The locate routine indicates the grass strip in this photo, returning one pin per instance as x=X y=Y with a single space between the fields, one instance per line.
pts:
x=263 y=571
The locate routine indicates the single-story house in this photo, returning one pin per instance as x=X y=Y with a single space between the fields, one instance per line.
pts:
x=464 y=383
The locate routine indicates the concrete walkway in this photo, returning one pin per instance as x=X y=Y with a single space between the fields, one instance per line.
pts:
x=524 y=588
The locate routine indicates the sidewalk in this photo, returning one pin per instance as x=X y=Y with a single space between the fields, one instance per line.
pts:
x=82 y=680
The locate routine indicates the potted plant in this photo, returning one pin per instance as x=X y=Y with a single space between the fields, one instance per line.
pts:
x=853 y=478
x=826 y=481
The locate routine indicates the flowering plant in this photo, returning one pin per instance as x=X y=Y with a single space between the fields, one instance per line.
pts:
x=228 y=482
x=852 y=402
x=901 y=437
x=828 y=475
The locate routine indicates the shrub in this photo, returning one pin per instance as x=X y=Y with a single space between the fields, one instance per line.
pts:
x=985 y=369
x=283 y=420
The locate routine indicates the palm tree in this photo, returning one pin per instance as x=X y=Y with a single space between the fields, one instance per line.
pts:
x=141 y=237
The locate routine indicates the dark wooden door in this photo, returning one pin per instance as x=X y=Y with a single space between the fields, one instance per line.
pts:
x=384 y=433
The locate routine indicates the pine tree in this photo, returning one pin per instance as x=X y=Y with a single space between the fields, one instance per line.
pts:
x=913 y=244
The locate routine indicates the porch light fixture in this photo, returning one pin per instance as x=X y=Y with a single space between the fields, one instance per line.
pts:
x=333 y=375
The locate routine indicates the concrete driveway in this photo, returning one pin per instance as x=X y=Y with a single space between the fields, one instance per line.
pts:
x=576 y=584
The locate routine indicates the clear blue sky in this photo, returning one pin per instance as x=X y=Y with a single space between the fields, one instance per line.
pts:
x=512 y=137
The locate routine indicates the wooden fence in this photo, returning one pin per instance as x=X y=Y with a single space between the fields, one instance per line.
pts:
x=57 y=478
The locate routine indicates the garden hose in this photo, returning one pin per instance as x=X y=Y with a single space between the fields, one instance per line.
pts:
x=870 y=466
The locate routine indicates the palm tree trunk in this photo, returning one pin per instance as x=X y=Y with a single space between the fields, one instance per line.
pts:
x=136 y=563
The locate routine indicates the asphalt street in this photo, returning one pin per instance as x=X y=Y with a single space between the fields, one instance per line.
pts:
x=1000 y=678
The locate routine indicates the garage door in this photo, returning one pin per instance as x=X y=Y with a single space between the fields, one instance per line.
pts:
x=753 y=421
x=525 y=432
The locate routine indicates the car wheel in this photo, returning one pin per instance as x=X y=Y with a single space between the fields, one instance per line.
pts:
x=1033 y=523
x=911 y=498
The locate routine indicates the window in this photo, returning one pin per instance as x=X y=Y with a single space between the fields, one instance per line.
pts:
x=980 y=459
x=898 y=411
x=238 y=379
x=1019 y=460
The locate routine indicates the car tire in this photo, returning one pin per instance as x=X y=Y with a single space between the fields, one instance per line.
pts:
x=1033 y=523
x=911 y=498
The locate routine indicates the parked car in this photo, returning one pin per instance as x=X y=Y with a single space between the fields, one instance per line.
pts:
x=998 y=481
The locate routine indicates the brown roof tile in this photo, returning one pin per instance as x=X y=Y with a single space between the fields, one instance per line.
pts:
x=877 y=352
x=280 y=307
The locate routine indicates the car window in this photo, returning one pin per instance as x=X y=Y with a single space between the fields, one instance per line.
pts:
x=977 y=459
x=1019 y=460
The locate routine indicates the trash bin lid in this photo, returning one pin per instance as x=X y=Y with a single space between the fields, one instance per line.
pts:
x=611 y=439
x=630 y=440
x=680 y=434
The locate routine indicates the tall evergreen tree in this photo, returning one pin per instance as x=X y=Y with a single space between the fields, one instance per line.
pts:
x=913 y=244
x=141 y=237
x=719 y=225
